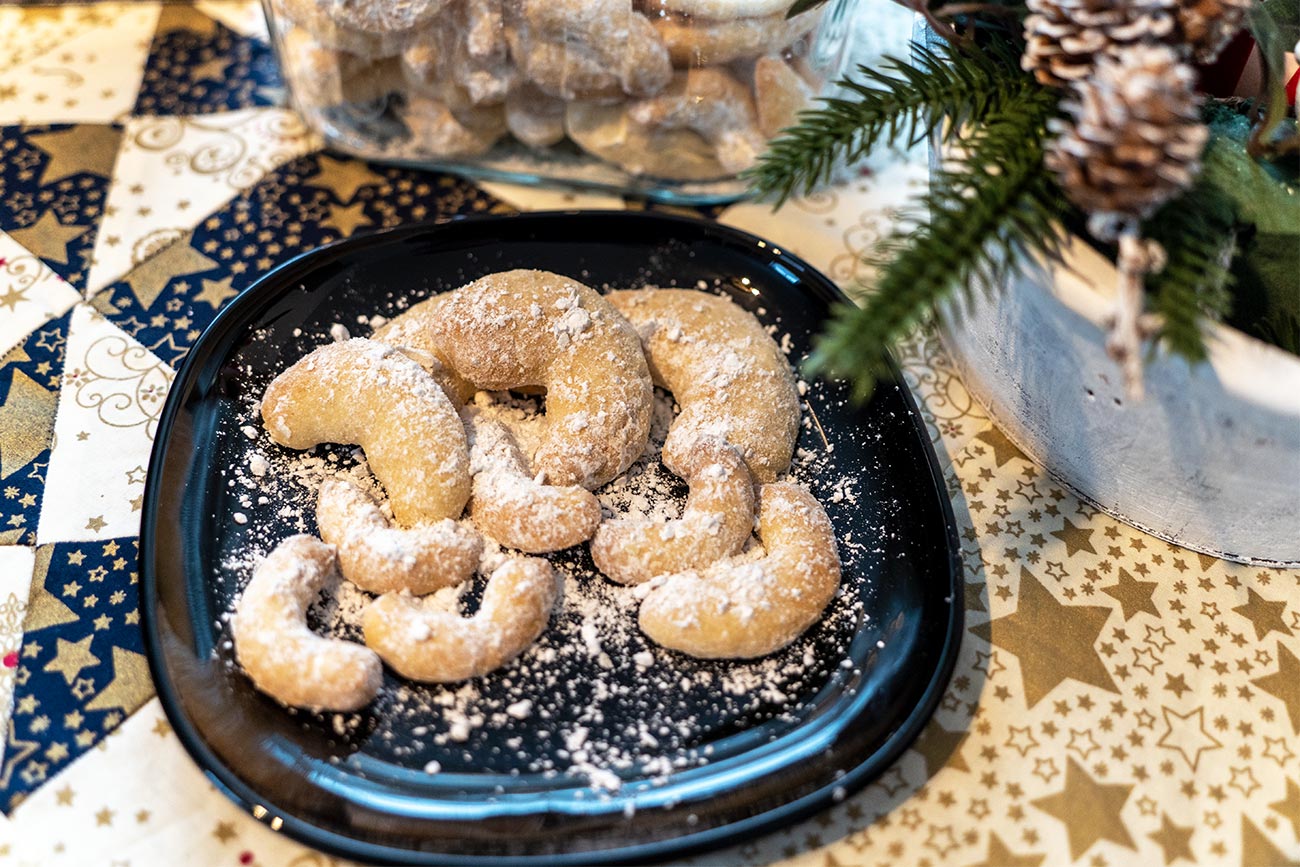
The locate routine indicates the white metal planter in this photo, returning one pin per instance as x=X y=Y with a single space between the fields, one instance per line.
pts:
x=1208 y=459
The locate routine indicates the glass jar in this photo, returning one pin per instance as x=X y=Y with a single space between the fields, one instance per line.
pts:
x=669 y=99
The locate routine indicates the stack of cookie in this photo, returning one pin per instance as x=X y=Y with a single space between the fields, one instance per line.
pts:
x=686 y=90
x=462 y=496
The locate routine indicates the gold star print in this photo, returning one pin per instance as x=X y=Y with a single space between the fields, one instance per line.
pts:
x=150 y=278
x=1054 y=642
x=1258 y=851
x=1277 y=750
x=1174 y=841
x=1003 y=449
x=1264 y=614
x=1284 y=684
x=45 y=609
x=32 y=15
x=1186 y=735
x=1289 y=807
x=344 y=177
x=1090 y=810
x=1083 y=743
x=940 y=747
x=892 y=781
x=1020 y=739
x=48 y=238
x=212 y=69
x=11 y=298
x=346 y=219
x=1243 y=780
x=86 y=147
x=1133 y=596
x=64 y=796
x=1076 y=539
x=216 y=292
x=941 y=839
x=1001 y=856
x=130 y=687
x=225 y=832
x=104 y=817
x=96 y=523
x=26 y=422
x=15 y=752
x=71 y=657
x=184 y=17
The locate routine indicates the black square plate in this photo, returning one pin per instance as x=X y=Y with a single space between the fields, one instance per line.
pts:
x=881 y=659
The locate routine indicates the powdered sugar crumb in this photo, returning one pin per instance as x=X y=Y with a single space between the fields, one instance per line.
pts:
x=592 y=700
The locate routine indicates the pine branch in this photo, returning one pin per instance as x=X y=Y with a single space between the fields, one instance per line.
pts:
x=1197 y=233
x=899 y=103
x=990 y=206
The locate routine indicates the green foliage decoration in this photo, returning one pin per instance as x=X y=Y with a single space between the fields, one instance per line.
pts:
x=991 y=205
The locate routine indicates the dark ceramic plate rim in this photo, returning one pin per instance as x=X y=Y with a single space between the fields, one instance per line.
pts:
x=334 y=843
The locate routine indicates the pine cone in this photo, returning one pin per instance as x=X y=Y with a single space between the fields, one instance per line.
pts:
x=1207 y=26
x=1134 y=139
x=1065 y=38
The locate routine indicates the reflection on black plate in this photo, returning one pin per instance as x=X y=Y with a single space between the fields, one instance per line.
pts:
x=810 y=724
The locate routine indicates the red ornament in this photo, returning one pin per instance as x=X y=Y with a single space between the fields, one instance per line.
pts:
x=245 y=857
x=11 y=658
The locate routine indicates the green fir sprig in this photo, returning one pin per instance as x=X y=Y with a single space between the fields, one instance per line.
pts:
x=901 y=103
x=991 y=204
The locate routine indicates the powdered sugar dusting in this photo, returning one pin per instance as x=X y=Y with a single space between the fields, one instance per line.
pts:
x=593 y=700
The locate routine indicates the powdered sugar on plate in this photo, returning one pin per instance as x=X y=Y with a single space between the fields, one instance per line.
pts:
x=592 y=701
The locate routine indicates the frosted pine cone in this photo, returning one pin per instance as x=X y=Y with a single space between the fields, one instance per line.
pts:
x=1065 y=38
x=1134 y=137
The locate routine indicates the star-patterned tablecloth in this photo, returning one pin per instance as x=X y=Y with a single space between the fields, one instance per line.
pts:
x=1117 y=700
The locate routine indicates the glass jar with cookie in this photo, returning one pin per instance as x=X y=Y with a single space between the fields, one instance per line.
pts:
x=669 y=99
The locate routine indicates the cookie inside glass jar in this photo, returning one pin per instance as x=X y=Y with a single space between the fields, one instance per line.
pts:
x=641 y=96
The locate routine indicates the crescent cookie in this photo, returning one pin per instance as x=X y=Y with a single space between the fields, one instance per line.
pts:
x=324 y=77
x=309 y=15
x=716 y=522
x=708 y=42
x=780 y=93
x=381 y=558
x=409 y=331
x=534 y=117
x=729 y=377
x=382 y=17
x=713 y=104
x=436 y=646
x=740 y=610
x=721 y=8
x=464 y=49
x=608 y=132
x=363 y=392
x=562 y=70
x=515 y=509
x=534 y=328
x=284 y=658
x=437 y=131
x=620 y=40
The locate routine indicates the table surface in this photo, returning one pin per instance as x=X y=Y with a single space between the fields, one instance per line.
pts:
x=1117 y=700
